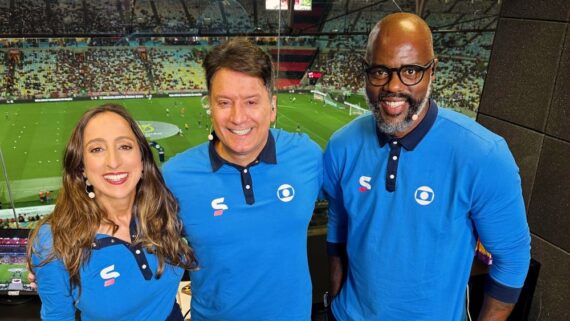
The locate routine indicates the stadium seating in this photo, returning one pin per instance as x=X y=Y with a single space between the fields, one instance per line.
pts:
x=4 y=17
x=337 y=20
x=292 y=63
x=459 y=83
x=173 y=16
x=271 y=20
x=63 y=73
x=28 y=17
x=238 y=19
x=177 y=69
x=144 y=19
x=3 y=75
x=115 y=70
x=100 y=65
x=66 y=17
x=36 y=76
x=211 y=20
x=104 y=16
x=309 y=22
x=460 y=74
x=341 y=70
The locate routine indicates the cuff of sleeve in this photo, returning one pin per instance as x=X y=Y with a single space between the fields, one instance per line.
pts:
x=501 y=292
x=336 y=249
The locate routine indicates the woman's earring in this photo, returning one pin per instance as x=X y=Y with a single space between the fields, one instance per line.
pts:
x=89 y=189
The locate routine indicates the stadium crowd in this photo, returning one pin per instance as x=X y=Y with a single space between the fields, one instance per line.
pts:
x=68 y=73
x=101 y=65
x=62 y=72
x=342 y=70
x=461 y=71
x=66 y=17
x=92 y=71
x=57 y=17
x=177 y=69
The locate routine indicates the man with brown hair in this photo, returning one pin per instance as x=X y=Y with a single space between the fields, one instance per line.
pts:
x=247 y=196
x=410 y=188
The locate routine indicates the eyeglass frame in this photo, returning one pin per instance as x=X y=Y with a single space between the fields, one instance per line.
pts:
x=391 y=71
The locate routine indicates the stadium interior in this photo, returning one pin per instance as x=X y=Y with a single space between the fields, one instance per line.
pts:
x=61 y=57
x=61 y=52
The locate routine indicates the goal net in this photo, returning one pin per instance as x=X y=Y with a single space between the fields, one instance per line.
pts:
x=355 y=109
x=324 y=97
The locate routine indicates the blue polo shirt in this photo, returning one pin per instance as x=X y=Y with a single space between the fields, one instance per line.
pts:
x=248 y=228
x=117 y=283
x=410 y=211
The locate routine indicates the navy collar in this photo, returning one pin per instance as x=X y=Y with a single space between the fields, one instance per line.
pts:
x=267 y=155
x=413 y=138
x=136 y=249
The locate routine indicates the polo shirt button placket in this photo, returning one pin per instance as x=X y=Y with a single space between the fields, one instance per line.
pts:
x=392 y=167
x=247 y=184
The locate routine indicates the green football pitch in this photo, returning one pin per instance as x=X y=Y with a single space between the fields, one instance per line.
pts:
x=12 y=271
x=33 y=136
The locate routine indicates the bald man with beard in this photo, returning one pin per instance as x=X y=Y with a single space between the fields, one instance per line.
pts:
x=411 y=187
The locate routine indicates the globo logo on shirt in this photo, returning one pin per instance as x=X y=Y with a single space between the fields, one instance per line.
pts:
x=285 y=193
x=424 y=195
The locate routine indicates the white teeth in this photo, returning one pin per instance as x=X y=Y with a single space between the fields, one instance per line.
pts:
x=115 y=177
x=394 y=104
x=240 y=132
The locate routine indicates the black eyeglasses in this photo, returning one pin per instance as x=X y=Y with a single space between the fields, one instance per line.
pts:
x=410 y=75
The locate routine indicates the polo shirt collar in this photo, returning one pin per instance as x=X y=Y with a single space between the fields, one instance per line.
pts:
x=413 y=138
x=267 y=155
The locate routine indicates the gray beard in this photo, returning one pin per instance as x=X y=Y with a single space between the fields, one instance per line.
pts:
x=401 y=126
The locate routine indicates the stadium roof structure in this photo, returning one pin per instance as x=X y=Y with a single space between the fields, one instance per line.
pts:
x=120 y=18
